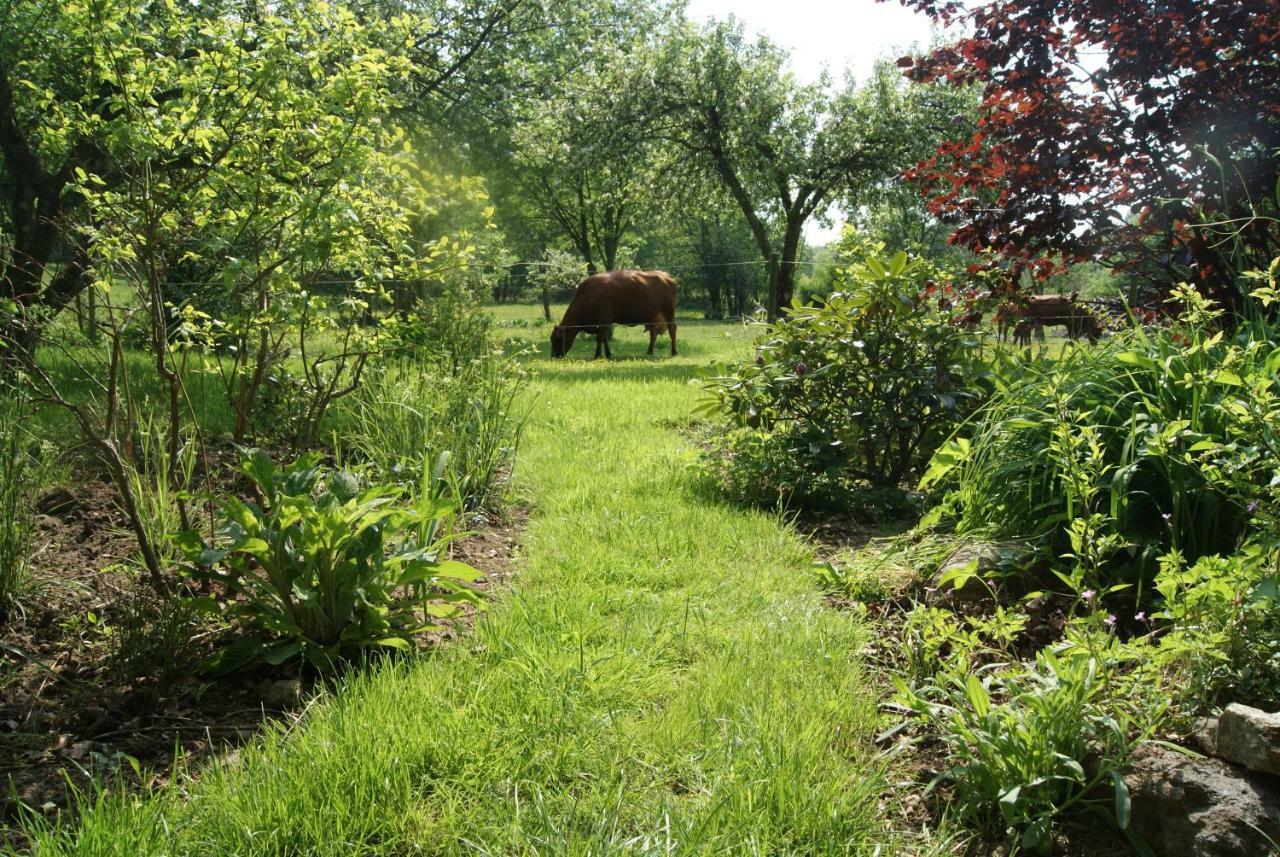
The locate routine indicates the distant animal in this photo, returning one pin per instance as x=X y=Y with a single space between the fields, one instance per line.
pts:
x=1041 y=311
x=1023 y=329
x=618 y=297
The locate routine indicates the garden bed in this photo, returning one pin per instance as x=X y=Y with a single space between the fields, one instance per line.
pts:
x=69 y=713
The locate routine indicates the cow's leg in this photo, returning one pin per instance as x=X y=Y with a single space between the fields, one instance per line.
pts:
x=671 y=329
x=653 y=336
x=602 y=338
x=600 y=341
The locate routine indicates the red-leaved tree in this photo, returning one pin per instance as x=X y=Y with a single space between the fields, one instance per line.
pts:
x=1145 y=133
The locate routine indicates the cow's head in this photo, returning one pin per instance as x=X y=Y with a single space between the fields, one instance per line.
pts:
x=562 y=340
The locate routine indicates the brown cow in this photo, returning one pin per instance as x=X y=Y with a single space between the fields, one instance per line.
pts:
x=1041 y=311
x=618 y=297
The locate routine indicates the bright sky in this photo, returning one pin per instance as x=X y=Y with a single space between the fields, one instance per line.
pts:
x=840 y=34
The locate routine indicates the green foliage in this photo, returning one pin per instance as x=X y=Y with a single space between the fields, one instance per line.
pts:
x=1223 y=638
x=160 y=485
x=408 y=415
x=1140 y=430
x=153 y=640
x=25 y=468
x=859 y=389
x=326 y=568
x=1018 y=741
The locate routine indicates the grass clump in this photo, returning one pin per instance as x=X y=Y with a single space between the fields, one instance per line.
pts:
x=26 y=467
x=407 y=414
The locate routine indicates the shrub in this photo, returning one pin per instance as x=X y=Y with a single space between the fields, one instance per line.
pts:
x=856 y=391
x=1153 y=404
x=326 y=568
x=449 y=326
x=1223 y=640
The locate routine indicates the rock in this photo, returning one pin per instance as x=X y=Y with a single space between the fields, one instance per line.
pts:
x=979 y=559
x=1249 y=737
x=280 y=695
x=1204 y=737
x=1185 y=807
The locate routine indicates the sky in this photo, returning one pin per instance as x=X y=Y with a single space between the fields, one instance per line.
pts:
x=840 y=34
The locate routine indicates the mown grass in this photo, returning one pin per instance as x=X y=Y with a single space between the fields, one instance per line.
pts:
x=659 y=678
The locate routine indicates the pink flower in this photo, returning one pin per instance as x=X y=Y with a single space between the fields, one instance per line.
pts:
x=1140 y=616
x=1110 y=621
x=1088 y=594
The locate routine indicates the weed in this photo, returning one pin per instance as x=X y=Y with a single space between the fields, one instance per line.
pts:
x=1026 y=745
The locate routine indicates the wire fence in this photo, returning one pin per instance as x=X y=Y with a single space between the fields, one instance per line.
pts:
x=510 y=269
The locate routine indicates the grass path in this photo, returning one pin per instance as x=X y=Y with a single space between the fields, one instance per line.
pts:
x=660 y=678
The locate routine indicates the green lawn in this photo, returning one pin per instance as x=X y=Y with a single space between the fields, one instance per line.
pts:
x=659 y=677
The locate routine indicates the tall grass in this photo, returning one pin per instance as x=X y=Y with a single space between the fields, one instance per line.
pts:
x=25 y=468
x=160 y=482
x=407 y=414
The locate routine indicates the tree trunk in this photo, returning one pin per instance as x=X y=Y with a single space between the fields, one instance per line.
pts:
x=787 y=263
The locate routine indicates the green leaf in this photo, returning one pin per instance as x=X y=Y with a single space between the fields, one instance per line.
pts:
x=455 y=570
x=898 y=264
x=393 y=643
x=1133 y=358
x=1123 y=802
x=978 y=696
x=190 y=544
x=960 y=575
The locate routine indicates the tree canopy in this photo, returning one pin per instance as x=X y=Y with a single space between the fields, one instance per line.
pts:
x=1142 y=133
x=786 y=151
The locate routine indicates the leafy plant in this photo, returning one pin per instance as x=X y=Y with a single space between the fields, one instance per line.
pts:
x=1123 y=431
x=326 y=568
x=860 y=389
x=1223 y=640
x=153 y=640
x=1027 y=745
x=160 y=484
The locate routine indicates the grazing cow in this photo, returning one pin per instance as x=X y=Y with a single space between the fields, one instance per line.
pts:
x=1041 y=311
x=618 y=297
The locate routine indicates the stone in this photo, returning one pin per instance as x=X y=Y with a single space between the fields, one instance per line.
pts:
x=280 y=695
x=1198 y=807
x=984 y=558
x=1204 y=735
x=1249 y=737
